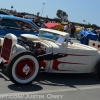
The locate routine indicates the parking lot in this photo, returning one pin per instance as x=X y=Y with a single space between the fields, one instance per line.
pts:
x=53 y=86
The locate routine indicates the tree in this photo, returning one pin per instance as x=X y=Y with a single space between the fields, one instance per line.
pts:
x=57 y=19
x=38 y=13
x=94 y=26
x=11 y=7
x=84 y=21
x=62 y=15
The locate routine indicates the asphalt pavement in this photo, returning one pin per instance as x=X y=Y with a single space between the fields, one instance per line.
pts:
x=53 y=86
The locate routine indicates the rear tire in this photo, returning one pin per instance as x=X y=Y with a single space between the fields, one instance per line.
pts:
x=23 y=67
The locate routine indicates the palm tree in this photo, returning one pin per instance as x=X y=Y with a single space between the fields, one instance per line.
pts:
x=11 y=7
x=38 y=13
x=84 y=21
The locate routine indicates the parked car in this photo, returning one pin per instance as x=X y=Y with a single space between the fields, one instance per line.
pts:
x=85 y=35
x=24 y=59
x=17 y=26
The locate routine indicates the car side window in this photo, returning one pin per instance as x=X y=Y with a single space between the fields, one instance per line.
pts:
x=25 y=26
x=16 y=24
x=8 y=23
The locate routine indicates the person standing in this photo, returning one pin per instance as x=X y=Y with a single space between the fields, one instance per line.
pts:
x=37 y=21
x=72 y=30
x=65 y=28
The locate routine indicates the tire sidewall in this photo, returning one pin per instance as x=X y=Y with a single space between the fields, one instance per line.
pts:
x=12 y=66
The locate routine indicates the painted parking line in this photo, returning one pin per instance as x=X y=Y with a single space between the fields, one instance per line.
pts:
x=51 y=91
x=3 y=75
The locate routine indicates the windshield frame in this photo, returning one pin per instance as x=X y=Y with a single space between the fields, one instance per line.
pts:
x=40 y=35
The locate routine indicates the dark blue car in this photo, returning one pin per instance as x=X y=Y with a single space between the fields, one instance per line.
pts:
x=86 y=35
x=17 y=26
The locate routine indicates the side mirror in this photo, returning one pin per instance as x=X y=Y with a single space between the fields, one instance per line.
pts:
x=70 y=40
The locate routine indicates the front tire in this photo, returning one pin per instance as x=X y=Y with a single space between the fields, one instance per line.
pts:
x=23 y=68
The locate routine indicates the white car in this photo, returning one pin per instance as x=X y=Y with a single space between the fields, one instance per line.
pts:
x=51 y=51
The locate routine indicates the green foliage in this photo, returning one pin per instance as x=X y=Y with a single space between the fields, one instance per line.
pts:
x=38 y=13
x=62 y=15
x=11 y=6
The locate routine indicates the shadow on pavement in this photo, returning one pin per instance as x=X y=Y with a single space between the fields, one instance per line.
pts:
x=25 y=88
x=55 y=79
x=67 y=79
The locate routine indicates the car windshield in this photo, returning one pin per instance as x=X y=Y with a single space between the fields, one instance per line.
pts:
x=49 y=35
x=56 y=37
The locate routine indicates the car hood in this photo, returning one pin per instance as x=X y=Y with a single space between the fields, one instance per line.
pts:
x=81 y=46
x=72 y=48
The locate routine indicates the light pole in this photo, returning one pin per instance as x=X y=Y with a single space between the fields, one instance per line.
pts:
x=42 y=9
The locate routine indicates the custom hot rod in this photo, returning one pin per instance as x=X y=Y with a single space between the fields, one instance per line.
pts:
x=50 y=51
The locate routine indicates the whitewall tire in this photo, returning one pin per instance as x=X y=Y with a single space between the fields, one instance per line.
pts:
x=23 y=68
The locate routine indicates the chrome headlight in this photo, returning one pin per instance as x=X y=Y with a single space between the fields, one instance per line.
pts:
x=17 y=48
x=14 y=49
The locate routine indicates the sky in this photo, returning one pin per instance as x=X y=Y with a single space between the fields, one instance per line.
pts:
x=77 y=10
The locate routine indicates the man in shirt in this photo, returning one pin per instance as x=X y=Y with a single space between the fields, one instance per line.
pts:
x=65 y=28
x=73 y=29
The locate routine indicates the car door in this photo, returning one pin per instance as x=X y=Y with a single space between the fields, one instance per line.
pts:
x=78 y=60
x=58 y=63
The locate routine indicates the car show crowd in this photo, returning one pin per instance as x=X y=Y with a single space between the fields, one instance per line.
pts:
x=65 y=26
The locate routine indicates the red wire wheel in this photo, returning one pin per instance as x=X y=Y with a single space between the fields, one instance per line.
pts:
x=25 y=68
